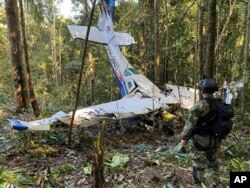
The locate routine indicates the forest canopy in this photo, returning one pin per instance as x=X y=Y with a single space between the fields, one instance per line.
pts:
x=177 y=42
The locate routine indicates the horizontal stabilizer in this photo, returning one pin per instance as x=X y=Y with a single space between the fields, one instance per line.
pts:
x=81 y=32
x=95 y=35
x=124 y=39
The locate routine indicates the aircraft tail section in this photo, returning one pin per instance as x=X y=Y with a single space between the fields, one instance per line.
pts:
x=80 y=32
x=124 y=39
x=95 y=35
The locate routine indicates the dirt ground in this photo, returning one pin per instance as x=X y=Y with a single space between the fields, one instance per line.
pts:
x=134 y=156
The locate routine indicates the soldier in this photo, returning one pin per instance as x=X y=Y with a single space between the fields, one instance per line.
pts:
x=203 y=147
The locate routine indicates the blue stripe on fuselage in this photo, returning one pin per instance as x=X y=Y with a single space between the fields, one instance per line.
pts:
x=115 y=67
x=121 y=86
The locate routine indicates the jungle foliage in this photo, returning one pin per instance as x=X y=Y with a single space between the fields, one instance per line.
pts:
x=55 y=61
x=55 y=57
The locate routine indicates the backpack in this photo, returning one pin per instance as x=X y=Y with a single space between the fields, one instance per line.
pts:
x=218 y=122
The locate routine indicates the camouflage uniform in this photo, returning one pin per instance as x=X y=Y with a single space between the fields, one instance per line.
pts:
x=203 y=148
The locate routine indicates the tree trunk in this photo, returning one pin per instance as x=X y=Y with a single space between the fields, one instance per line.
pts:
x=225 y=25
x=20 y=85
x=246 y=61
x=56 y=71
x=156 y=44
x=211 y=35
x=166 y=59
x=33 y=101
x=92 y=73
x=142 y=48
x=149 y=27
x=200 y=57
x=90 y=58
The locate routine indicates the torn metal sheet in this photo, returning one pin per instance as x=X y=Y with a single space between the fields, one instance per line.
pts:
x=186 y=96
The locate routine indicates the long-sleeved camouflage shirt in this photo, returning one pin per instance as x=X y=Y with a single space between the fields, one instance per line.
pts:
x=200 y=109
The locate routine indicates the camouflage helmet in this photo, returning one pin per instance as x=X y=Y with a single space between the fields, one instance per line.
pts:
x=208 y=85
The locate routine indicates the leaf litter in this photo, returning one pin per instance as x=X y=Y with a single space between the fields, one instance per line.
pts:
x=134 y=157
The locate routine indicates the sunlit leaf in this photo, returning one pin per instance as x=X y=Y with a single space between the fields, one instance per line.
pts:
x=88 y=169
x=118 y=160
x=168 y=185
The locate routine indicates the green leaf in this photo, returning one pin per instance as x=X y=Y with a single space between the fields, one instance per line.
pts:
x=177 y=148
x=3 y=184
x=143 y=147
x=88 y=169
x=118 y=186
x=118 y=160
x=168 y=185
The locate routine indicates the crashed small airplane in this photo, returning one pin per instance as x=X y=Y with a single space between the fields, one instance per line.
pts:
x=139 y=95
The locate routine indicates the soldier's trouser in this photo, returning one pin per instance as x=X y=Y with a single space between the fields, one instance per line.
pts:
x=200 y=159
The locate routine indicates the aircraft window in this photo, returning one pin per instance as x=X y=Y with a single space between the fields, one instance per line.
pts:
x=129 y=85
x=127 y=73
x=133 y=70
